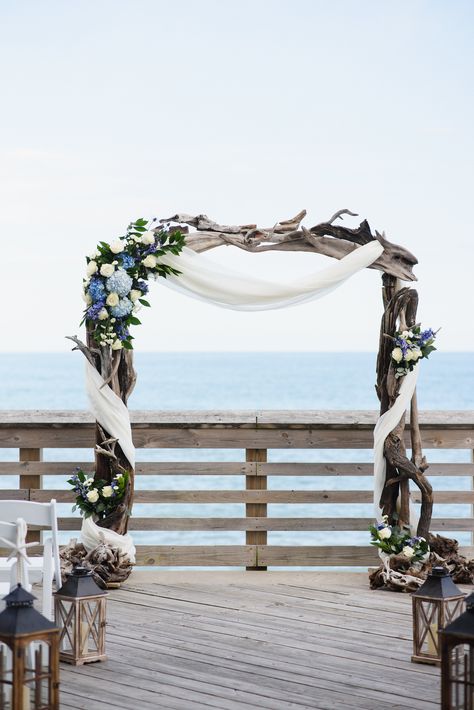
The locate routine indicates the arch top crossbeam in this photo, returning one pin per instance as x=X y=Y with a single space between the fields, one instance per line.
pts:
x=329 y=238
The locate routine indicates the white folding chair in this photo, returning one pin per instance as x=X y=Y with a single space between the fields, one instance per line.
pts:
x=44 y=516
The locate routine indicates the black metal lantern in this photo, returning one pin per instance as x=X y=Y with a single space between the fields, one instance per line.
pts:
x=79 y=609
x=435 y=604
x=29 y=656
x=457 y=661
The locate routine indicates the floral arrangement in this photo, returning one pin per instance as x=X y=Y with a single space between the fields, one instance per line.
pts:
x=410 y=346
x=393 y=541
x=97 y=497
x=116 y=280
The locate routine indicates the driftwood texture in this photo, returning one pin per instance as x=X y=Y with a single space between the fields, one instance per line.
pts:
x=327 y=238
x=108 y=566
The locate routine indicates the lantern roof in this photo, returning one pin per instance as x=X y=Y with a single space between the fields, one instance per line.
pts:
x=438 y=585
x=463 y=625
x=20 y=618
x=80 y=583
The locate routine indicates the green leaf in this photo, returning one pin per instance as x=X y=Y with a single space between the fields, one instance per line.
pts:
x=127 y=345
x=144 y=303
x=134 y=321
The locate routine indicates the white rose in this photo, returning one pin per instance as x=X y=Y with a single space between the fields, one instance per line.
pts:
x=397 y=354
x=416 y=354
x=103 y=314
x=112 y=299
x=408 y=551
x=147 y=238
x=107 y=491
x=134 y=295
x=409 y=355
x=407 y=334
x=149 y=261
x=107 y=270
x=385 y=533
x=91 y=268
x=93 y=496
x=87 y=298
x=117 y=246
x=117 y=345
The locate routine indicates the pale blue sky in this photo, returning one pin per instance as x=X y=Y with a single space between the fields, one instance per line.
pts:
x=246 y=111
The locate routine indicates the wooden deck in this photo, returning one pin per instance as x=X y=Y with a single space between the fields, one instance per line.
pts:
x=246 y=640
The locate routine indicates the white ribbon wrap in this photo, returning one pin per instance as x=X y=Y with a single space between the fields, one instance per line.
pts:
x=92 y=535
x=386 y=423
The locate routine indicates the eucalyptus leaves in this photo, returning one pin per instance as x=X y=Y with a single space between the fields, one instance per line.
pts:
x=116 y=280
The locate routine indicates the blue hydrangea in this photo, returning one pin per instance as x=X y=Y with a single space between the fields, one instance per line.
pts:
x=128 y=262
x=120 y=282
x=123 y=308
x=122 y=331
x=97 y=290
x=142 y=286
x=93 y=311
x=426 y=335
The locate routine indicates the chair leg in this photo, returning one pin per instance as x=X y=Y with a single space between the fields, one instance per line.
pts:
x=47 y=579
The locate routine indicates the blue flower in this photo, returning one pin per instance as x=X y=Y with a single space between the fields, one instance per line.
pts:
x=123 y=308
x=97 y=290
x=120 y=282
x=94 y=310
x=426 y=335
x=128 y=262
x=142 y=286
x=122 y=331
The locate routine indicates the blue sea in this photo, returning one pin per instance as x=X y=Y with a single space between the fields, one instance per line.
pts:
x=236 y=381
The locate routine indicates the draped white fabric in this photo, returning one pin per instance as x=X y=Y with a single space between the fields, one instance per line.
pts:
x=208 y=281
x=386 y=423
x=211 y=282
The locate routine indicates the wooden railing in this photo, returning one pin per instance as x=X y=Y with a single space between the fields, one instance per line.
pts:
x=255 y=433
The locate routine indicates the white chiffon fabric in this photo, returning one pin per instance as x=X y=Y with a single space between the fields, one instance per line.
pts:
x=385 y=424
x=208 y=281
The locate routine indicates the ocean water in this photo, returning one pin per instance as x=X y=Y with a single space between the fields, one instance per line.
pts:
x=234 y=381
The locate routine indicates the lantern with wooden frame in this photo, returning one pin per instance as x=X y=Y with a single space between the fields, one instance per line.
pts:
x=29 y=656
x=79 y=609
x=457 y=661
x=435 y=604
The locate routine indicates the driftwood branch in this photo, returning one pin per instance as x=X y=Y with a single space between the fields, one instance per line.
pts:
x=327 y=238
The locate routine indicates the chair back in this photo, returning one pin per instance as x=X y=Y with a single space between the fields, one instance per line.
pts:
x=13 y=538
x=43 y=515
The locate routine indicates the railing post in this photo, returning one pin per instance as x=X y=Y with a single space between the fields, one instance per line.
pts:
x=256 y=510
x=30 y=481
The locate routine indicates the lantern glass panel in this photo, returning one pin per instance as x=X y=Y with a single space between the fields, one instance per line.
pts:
x=432 y=616
x=36 y=680
x=461 y=677
x=90 y=626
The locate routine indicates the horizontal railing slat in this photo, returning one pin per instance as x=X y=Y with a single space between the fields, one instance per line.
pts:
x=284 y=524
x=225 y=468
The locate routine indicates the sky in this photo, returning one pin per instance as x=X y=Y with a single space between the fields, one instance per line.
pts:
x=246 y=111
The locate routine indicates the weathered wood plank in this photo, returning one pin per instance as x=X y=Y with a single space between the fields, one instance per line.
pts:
x=244 y=496
x=252 y=510
x=256 y=523
x=197 y=555
x=211 y=468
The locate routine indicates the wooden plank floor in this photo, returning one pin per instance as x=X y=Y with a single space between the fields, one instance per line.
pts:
x=245 y=640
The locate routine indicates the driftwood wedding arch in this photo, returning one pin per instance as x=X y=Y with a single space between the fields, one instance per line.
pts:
x=328 y=238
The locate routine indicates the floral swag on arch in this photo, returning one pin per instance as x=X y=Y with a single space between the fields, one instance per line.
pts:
x=116 y=283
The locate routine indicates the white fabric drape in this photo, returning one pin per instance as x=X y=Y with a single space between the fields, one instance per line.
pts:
x=211 y=282
x=208 y=281
x=385 y=424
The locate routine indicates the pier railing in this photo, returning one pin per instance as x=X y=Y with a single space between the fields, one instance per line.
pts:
x=253 y=435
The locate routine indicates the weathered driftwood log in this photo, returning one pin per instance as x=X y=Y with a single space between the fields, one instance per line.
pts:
x=400 y=313
x=109 y=567
x=327 y=238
